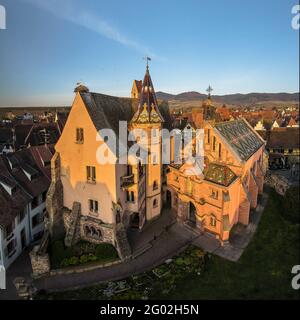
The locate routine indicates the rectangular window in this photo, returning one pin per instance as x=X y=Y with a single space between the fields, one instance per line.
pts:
x=214 y=194
x=11 y=248
x=130 y=196
x=35 y=202
x=79 y=135
x=37 y=219
x=214 y=144
x=90 y=174
x=208 y=135
x=9 y=230
x=21 y=216
x=220 y=151
x=93 y=206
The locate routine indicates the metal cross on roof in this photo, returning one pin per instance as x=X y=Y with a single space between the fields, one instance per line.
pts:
x=209 y=90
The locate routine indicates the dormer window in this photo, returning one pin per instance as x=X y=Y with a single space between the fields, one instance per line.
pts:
x=30 y=172
x=46 y=163
x=9 y=186
x=79 y=135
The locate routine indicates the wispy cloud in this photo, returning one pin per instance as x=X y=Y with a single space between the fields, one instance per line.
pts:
x=88 y=20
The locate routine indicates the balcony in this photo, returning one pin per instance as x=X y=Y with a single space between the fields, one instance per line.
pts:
x=127 y=181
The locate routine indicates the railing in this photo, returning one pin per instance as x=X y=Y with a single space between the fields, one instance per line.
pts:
x=127 y=181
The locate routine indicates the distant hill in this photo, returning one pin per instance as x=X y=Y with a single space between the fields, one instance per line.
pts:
x=234 y=99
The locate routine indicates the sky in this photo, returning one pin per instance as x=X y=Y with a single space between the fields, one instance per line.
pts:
x=236 y=46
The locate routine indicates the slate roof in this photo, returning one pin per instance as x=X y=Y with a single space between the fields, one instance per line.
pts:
x=219 y=174
x=106 y=111
x=25 y=161
x=11 y=205
x=148 y=111
x=240 y=137
x=42 y=156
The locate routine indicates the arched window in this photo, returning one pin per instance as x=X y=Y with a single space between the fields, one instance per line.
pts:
x=213 y=221
x=92 y=232
x=155 y=185
x=155 y=203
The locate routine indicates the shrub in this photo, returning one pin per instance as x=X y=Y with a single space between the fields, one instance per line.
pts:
x=105 y=251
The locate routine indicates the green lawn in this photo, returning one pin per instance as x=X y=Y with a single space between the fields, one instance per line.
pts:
x=263 y=271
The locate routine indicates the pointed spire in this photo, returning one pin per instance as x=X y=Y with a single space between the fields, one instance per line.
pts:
x=148 y=111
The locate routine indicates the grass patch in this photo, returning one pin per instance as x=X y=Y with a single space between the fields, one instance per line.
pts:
x=263 y=271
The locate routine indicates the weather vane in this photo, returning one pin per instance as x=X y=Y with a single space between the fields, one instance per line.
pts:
x=209 y=90
x=147 y=59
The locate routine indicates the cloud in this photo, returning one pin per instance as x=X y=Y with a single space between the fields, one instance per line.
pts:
x=88 y=20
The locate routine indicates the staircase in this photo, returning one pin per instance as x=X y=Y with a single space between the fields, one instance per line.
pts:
x=70 y=233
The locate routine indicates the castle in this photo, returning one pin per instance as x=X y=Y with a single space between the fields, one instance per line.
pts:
x=99 y=202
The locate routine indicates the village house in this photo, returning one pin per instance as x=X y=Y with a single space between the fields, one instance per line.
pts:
x=99 y=202
x=24 y=182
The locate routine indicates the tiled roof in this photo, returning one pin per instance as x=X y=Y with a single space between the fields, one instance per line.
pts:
x=241 y=137
x=284 y=138
x=219 y=174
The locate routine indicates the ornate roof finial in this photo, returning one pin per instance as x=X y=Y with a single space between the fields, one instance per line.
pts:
x=147 y=61
x=209 y=90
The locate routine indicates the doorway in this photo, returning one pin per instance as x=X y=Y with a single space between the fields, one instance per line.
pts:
x=192 y=214
x=169 y=199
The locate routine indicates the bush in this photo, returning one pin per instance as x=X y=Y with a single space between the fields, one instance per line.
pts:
x=105 y=251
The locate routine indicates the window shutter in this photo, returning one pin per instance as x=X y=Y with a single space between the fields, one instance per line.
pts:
x=96 y=206
x=94 y=173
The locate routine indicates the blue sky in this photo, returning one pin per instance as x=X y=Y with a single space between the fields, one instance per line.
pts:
x=234 y=45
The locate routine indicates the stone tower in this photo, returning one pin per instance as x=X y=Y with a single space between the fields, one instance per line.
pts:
x=148 y=118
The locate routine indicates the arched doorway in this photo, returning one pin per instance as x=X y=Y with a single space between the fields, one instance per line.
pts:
x=168 y=199
x=135 y=220
x=192 y=214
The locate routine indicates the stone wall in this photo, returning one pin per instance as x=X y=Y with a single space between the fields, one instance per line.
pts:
x=54 y=201
x=40 y=263
x=182 y=210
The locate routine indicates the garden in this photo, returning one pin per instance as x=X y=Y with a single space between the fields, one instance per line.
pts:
x=81 y=253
